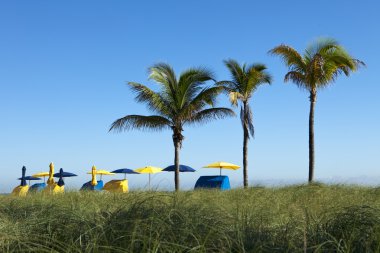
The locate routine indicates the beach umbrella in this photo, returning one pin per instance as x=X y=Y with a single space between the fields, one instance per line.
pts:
x=125 y=171
x=100 y=172
x=148 y=170
x=61 y=174
x=50 y=180
x=222 y=165
x=41 y=174
x=29 y=178
x=182 y=168
x=23 y=181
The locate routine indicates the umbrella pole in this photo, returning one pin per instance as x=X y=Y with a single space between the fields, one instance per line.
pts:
x=125 y=176
x=220 y=171
x=149 y=181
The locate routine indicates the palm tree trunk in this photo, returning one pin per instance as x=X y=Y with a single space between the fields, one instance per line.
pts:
x=245 y=148
x=176 y=164
x=313 y=96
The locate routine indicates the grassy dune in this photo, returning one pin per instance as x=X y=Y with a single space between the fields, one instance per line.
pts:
x=317 y=218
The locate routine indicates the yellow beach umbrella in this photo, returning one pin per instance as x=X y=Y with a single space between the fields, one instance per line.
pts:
x=100 y=172
x=41 y=174
x=149 y=170
x=222 y=165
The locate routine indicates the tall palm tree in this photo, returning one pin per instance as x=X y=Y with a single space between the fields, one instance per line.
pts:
x=320 y=65
x=177 y=103
x=245 y=81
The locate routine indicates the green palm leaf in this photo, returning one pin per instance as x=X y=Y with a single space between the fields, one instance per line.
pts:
x=129 y=122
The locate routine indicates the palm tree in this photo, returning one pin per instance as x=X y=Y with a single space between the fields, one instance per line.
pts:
x=320 y=65
x=245 y=81
x=178 y=102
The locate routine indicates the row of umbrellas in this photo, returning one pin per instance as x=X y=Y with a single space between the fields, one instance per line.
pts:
x=144 y=170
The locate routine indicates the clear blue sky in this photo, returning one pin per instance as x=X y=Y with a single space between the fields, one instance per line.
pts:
x=64 y=64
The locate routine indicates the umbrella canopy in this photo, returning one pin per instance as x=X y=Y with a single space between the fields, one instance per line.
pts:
x=63 y=174
x=41 y=174
x=148 y=170
x=125 y=171
x=222 y=165
x=100 y=172
x=29 y=178
x=182 y=168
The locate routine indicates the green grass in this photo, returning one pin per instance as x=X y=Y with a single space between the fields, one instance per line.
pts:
x=317 y=218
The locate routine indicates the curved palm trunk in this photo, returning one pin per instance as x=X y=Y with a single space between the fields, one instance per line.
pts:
x=245 y=148
x=313 y=96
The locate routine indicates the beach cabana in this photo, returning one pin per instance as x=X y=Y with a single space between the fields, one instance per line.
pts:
x=216 y=182
x=213 y=182
x=120 y=185
x=37 y=187
x=23 y=188
x=94 y=184
x=59 y=187
x=32 y=188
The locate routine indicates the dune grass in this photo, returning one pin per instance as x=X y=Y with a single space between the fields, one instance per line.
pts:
x=314 y=218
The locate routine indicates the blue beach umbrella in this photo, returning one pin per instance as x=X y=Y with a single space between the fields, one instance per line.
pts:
x=29 y=178
x=61 y=174
x=182 y=168
x=125 y=171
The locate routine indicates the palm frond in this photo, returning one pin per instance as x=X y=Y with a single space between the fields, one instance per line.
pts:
x=246 y=118
x=129 y=122
x=290 y=56
x=207 y=96
x=210 y=114
x=249 y=119
x=191 y=82
x=164 y=75
x=236 y=71
x=321 y=46
x=256 y=75
x=154 y=100
x=297 y=78
x=234 y=97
